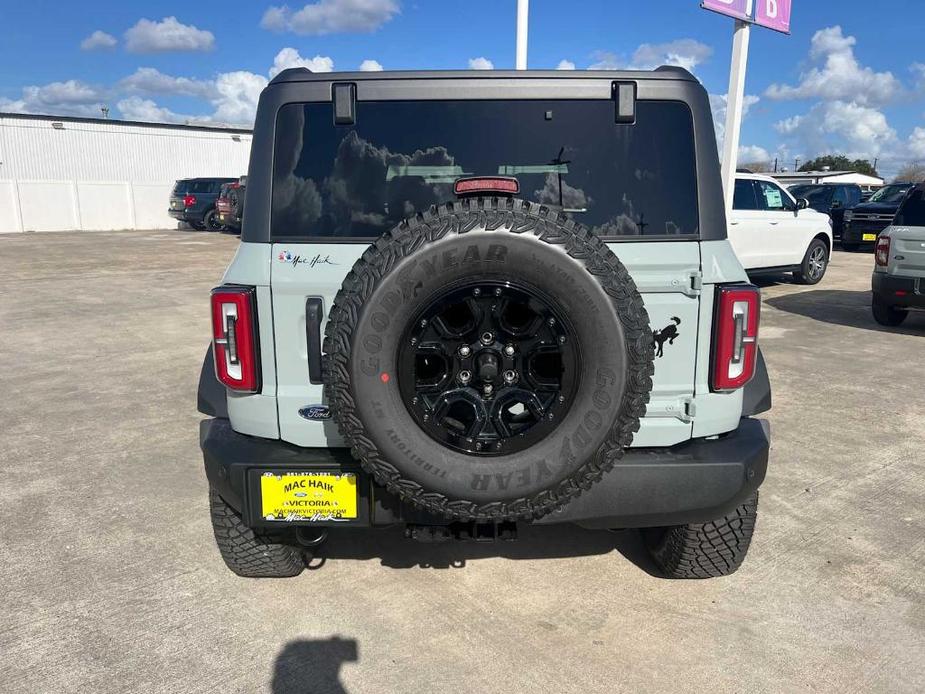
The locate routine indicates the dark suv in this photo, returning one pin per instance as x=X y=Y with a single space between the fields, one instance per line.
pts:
x=867 y=220
x=832 y=199
x=192 y=200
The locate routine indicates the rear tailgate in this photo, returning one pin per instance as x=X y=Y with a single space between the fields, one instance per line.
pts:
x=667 y=275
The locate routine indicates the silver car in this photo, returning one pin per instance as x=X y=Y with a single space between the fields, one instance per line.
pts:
x=898 y=281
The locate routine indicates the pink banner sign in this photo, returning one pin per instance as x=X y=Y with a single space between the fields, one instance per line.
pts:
x=773 y=14
x=733 y=8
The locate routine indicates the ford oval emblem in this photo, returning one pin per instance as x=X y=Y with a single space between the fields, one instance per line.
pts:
x=315 y=413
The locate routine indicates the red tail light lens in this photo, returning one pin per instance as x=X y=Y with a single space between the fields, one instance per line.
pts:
x=735 y=337
x=234 y=338
x=189 y=200
x=486 y=184
x=882 y=251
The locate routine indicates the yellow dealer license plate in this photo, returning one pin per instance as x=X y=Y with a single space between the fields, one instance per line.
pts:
x=308 y=496
x=869 y=237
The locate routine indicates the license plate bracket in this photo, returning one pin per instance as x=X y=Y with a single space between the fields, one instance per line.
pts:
x=307 y=496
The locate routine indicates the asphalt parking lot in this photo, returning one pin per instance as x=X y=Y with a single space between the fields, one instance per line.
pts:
x=111 y=581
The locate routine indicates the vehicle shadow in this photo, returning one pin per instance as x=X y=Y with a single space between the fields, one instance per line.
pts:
x=395 y=551
x=313 y=667
x=843 y=307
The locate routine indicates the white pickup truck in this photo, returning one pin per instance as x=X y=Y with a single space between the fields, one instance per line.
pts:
x=898 y=281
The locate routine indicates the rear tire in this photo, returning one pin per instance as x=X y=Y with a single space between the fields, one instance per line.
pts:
x=885 y=314
x=705 y=550
x=815 y=262
x=248 y=553
x=210 y=221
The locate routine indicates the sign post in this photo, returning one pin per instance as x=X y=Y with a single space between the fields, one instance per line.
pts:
x=523 y=9
x=772 y=14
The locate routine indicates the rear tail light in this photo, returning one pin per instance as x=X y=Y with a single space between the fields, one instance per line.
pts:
x=189 y=200
x=486 y=184
x=735 y=337
x=234 y=338
x=882 y=251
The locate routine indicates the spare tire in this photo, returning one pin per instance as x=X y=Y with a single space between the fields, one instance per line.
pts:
x=488 y=359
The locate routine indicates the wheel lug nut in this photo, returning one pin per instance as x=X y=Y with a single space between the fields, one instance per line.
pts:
x=424 y=323
x=509 y=350
x=464 y=377
x=551 y=321
x=465 y=351
x=510 y=376
x=487 y=338
x=561 y=339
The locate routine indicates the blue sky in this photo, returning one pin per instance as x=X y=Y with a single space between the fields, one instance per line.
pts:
x=850 y=78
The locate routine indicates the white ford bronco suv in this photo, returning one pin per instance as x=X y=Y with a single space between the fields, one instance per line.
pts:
x=466 y=301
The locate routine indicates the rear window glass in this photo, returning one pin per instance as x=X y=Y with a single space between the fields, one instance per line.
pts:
x=401 y=157
x=912 y=212
x=187 y=187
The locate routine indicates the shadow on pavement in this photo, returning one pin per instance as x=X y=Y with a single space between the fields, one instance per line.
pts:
x=313 y=667
x=842 y=307
x=534 y=542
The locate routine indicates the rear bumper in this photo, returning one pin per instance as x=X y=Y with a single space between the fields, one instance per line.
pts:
x=853 y=232
x=911 y=290
x=696 y=481
x=185 y=215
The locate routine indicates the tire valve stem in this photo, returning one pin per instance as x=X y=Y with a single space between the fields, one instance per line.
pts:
x=424 y=323
x=551 y=322
x=498 y=291
x=561 y=339
x=476 y=292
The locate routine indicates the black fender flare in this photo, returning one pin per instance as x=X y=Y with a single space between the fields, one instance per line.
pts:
x=756 y=397
x=212 y=398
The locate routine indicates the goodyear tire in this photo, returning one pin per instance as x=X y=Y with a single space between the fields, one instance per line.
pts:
x=506 y=242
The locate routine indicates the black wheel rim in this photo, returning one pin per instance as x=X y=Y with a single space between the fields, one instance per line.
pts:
x=489 y=368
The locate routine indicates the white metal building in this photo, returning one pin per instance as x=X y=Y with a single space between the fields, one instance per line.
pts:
x=790 y=178
x=62 y=173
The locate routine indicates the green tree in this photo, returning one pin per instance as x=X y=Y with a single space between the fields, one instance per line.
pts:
x=839 y=162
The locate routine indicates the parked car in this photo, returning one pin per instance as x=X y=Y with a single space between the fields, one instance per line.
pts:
x=192 y=200
x=490 y=355
x=230 y=204
x=866 y=220
x=833 y=199
x=772 y=232
x=898 y=280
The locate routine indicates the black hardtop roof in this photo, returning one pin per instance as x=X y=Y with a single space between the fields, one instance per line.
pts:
x=301 y=74
x=226 y=179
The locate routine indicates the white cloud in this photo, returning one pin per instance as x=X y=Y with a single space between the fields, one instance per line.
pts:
x=290 y=57
x=838 y=75
x=238 y=93
x=148 y=36
x=370 y=66
x=98 y=40
x=916 y=143
x=686 y=53
x=858 y=131
x=70 y=98
x=753 y=153
x=480 y=63
x=565 y=65
x=331 y=17
x=136 y=108
x=148 y=80
x=718 y=106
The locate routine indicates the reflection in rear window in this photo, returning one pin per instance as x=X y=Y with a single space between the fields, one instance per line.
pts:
x=912 y=212
x=401 y=157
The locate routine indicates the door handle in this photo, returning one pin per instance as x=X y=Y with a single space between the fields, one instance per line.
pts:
x=774 y=224
x=733 y=223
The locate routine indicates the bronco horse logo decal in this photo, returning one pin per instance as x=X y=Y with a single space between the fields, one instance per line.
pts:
x=667 y=334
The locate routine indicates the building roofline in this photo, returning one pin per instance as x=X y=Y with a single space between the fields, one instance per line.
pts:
x=133 y=123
